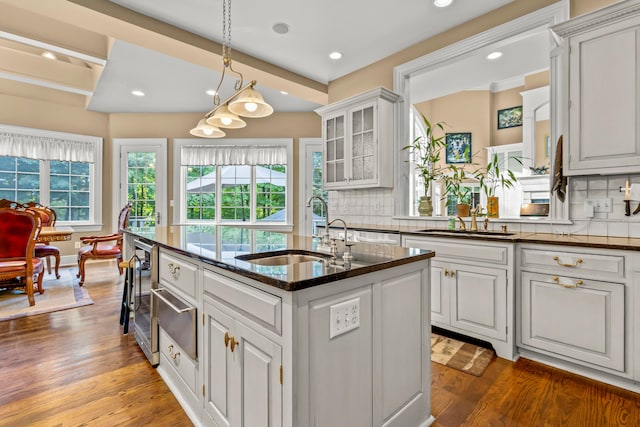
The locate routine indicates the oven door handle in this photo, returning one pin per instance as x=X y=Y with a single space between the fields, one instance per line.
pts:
x=158 y=293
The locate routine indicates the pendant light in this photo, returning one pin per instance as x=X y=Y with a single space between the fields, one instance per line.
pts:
x=226 y=119
x=205 y=130
x=246 y=101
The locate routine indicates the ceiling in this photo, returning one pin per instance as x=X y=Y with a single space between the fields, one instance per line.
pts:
x=175 y=76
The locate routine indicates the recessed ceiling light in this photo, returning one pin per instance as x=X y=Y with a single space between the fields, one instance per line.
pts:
x=335 y=55
x=280 y=28
x=284 y=92
x=442 y=3
x=49 y=55
x=211 y=92
x=137 y=92
x=494 y=55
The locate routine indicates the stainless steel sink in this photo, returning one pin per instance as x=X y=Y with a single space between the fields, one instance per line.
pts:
x=463 y=232
x=286 y=257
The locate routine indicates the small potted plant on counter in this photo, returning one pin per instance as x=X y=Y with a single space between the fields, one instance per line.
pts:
x=426 y=151
x=490 y=178
x=453 y=182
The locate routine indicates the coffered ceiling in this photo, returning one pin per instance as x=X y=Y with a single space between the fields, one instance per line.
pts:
x=171 y=49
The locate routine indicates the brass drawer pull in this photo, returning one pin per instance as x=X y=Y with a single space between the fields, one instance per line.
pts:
x=226 y=339
x=234 y=343
x=446 y=272
x=453 y=273
x=578 y=261
x=173 y=355
x=174 y=270
x=577 y=284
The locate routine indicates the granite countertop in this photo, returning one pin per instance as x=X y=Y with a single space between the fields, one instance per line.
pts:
x=220 y=245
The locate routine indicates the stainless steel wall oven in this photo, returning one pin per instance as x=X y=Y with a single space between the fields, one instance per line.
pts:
x=145 y=322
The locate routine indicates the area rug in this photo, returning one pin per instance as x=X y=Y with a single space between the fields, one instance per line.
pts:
x=59 y=294
x=459 y=355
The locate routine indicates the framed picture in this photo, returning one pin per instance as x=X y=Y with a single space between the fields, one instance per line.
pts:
x=458 y=147
x=510 y=117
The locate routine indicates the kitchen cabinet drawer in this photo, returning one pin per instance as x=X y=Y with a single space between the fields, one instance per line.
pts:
x=573 y=263
x=460 y=249
x=579 y=320
x=173 y=355
x=179 y=273
x=264 y=308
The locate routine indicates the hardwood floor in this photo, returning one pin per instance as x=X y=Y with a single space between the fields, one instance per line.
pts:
x=75 y=368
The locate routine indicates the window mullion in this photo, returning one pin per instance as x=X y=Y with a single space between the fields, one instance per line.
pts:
x=253 y=195
x=218 y=195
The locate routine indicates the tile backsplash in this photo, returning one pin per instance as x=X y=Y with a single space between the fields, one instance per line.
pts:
x=375 y=207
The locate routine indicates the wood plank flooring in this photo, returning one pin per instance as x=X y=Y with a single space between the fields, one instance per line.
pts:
x=75 y=368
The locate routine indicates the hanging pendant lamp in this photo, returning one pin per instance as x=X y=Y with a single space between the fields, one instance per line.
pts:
x=246 y=101
x=250 y=104
x=205 y=130
x=223 y=118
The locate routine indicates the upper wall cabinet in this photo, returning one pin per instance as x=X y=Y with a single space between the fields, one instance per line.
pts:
x=602 y=91
x=357 y=133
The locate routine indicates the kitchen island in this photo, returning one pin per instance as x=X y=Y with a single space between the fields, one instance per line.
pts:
x=286 y=336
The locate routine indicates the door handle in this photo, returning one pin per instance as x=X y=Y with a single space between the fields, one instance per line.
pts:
x=157 y=218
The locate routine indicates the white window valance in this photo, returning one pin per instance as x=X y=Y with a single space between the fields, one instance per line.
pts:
x=221 y=155
x=46 y=147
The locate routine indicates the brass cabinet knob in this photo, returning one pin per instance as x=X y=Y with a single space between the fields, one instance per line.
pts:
x=174 y=270
x=230 y=340
x=173 y=355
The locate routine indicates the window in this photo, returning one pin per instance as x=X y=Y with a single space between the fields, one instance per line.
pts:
x=247 y=182
x=416 y=183
x=70 y=190
x=55 y=169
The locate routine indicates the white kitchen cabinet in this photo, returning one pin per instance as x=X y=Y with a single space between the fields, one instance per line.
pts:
x=471 y=299
x=376 y=374
x=601 y=55
x=472 y=289
x=242 y=373
x=575 y=307
x=358 y=144
x=577 y=318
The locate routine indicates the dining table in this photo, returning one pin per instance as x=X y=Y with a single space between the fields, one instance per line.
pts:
x=54 y=234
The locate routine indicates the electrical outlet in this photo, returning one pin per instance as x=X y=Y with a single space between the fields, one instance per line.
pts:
x=77 y=245
x=344 y=317
x=600 y=205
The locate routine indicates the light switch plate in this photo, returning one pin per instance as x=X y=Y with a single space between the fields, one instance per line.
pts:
x=344 y=317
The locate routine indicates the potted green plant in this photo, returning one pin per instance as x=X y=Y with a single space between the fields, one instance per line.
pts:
x=453 y=183
x=426 y=151
x=490 y=178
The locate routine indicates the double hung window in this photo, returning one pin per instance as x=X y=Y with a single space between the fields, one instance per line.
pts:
x=248 y=182
x=56 y=169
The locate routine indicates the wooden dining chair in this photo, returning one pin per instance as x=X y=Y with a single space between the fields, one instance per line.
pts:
x=19 y=267
x=6 y=203
x=104 y=247
x=44 y=250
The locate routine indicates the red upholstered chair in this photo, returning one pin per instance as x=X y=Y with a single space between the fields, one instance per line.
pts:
x=19 y=229
x=44 y=250
x=104 y=247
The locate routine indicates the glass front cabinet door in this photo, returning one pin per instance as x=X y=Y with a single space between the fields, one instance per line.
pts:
x=358 y=141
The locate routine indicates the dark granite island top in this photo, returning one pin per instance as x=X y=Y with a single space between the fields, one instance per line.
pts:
x=220 y=245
